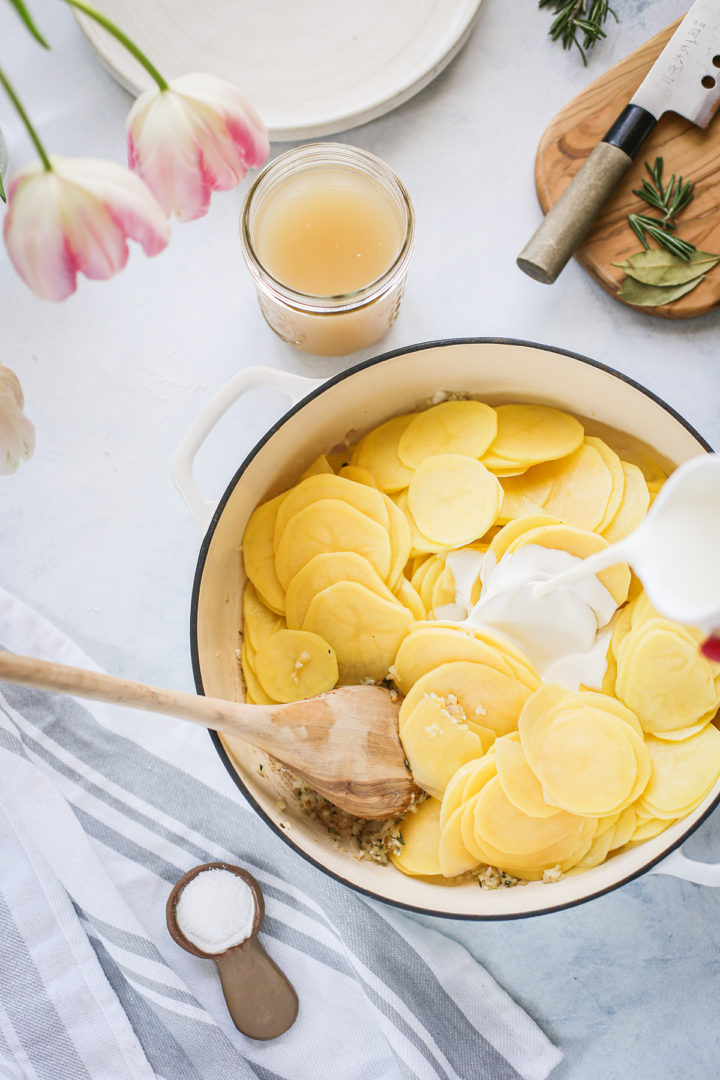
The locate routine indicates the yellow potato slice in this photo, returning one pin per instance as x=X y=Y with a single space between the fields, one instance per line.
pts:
x=409 y=598
x=331 y=525
x=400 y=540
x=503 y=831
x=430 y=645
x=358 y=475
x=419 y=543
x=487 y=697
x=360 y=497
x=364 y=629
x=607 y=686
x=682 y=773
x=452 y=427
x=420 y=831
x=255 y=694
x=259 y=622
x=632 y=509
x=617 y=475
x=294 y=664
x=453 y=856
x=436 y=744
x=624 y=828
x=663 y=677
x=419 y=567
x=512 y=655
x=259 y=555
x=468 y=832
x=581 y=543
x=324 y=570
x=378 y=452
x=518 y=781
x=469 y=779
x=529 y=434
x=509 y=533
x=595 y=699
x=585 y=761
x=443 y=590
x=646 y=830
x=453 y=499
x=581 y=486
x=320 y=465
x=524 y=495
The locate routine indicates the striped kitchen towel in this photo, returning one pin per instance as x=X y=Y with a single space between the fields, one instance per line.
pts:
x=101 y=810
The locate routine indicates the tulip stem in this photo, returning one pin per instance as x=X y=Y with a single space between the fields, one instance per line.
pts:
x=122 y=38
x=26 y=121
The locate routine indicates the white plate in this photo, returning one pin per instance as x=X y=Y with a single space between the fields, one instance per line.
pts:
x=310 y=68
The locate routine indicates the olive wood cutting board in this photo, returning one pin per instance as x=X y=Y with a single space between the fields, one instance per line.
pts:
x=687 y=151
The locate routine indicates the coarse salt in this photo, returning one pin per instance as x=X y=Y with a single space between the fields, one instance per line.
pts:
x=216 y=910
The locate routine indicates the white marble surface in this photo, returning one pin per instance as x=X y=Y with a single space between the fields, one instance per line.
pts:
x=94 y=535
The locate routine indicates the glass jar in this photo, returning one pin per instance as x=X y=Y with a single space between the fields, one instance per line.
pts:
x=332 y=321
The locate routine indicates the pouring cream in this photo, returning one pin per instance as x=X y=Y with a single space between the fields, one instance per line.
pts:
x=674 y=550
x=564 y=631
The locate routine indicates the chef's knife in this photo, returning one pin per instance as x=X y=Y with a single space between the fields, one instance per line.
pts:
x=685 y=79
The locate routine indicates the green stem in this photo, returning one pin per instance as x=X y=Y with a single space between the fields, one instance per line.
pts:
x=26 y=121
x=122 y=38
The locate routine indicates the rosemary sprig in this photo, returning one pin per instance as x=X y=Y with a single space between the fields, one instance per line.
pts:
x=670 y=199
x=576 y=19
x=643 y=226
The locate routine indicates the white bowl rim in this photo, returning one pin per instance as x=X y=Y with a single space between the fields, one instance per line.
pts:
x=195 y=657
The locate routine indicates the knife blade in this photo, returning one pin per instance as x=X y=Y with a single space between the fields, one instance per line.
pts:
x=685 y=79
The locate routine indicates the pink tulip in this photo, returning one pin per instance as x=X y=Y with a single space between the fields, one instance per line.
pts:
x=77 y=218
x=197 y=136
x=17 y=434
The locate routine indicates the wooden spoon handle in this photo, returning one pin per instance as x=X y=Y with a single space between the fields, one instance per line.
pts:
x=208 y=712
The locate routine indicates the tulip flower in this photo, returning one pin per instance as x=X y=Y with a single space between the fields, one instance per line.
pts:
x=195 y=136
x=17 y=434
x=75 y=215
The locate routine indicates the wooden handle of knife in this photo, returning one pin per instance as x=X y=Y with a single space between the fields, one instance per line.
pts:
x=569 y=220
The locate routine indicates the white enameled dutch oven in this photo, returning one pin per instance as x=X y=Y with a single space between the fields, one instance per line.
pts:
x=322 y=415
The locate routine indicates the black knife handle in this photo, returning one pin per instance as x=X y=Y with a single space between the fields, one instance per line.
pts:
x=569 y=220
x=631 y=128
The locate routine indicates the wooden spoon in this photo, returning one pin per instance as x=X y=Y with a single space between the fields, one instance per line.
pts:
x=344 y=743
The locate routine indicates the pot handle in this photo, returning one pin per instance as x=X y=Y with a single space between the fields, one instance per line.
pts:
x=295 y=386
x=678 y=865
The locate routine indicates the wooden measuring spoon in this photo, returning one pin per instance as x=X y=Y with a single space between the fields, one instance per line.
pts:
x=259 y=997
x=344 y=743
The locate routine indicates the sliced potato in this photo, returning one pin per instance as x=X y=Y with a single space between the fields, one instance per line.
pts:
x=663 y=677
x=358 y=475
x=633 y=508
x=436 y=744
x=580 y=487
x=430 y=645
x=259 y=555
x=364 y=629
x=529 y=434
x=420 y=831
x=452 y=427
x=331 y=525
x=617 y=475
x=518 y=781
x=453 y=499
x=326 y=569
x=294 y=664
x=378 y=453
x=325 y=486
x=487 y=697
x=259 y=622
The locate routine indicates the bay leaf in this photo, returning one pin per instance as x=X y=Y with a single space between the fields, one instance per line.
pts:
x=660 y=267
x=641 y=295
